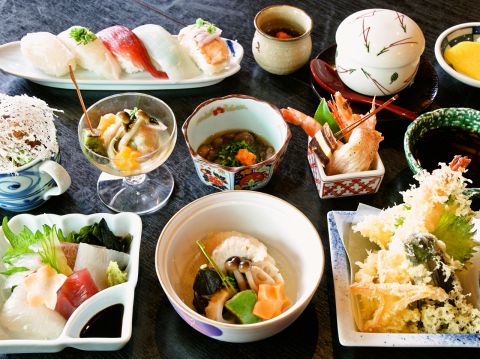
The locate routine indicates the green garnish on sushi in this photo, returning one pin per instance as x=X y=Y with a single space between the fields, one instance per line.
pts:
x=210 y=27
x=82 y=35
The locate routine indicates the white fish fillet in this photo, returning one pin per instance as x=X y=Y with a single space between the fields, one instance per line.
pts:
x=96 y=259
x=47 y=53
x=93 y=56
x=166 y=52
x=26 y=322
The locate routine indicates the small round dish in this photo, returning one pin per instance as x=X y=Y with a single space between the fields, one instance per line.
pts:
x=469 y=31
x=416 y=98
x=448 y=119
x=236 y=112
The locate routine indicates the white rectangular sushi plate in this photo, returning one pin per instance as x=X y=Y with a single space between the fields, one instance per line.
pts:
x=13 y=62
x=339 y=226
x=120 y=224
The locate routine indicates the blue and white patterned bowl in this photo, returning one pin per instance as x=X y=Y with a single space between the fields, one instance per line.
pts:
x=33 y=184
x=469 y=31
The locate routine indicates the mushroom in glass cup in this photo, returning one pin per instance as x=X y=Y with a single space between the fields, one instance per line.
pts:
x=134 y=135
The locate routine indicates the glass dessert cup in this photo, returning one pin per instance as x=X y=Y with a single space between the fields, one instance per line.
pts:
x=140 y=185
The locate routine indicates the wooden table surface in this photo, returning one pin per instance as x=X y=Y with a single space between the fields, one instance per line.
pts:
x=158 y=332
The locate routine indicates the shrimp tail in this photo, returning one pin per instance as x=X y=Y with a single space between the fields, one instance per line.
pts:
x=459 y=163
x=295 y=117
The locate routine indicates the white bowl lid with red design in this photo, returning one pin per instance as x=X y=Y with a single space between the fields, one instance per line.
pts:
x=380 y=38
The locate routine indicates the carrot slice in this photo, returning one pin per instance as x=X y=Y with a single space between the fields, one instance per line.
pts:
x=271 y=301
x=245 y=157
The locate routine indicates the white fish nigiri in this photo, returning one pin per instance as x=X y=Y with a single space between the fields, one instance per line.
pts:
x=207 y=48
x=24 y=321
x=166 y=52
x=91 y=54
x=97 y=259
x=47 y=53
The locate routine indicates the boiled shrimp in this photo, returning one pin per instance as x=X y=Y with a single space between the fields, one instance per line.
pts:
x=343 y=114
x=309 y=124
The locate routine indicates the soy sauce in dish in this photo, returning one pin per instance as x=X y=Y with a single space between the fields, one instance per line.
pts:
x=105 y=324
x=442 y=144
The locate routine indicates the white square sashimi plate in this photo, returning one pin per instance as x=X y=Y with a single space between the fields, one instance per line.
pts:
x=120 y=224
x=339 y=225
x=13 y=62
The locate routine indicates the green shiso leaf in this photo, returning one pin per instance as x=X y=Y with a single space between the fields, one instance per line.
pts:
x=82 y=35
x=323 y=115
x=21 y=243
x=457 y=234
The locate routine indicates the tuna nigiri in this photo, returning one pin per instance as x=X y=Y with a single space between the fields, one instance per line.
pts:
x=129 y=50
x=91 y=53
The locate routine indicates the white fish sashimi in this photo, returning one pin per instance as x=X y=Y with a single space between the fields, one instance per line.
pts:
x=93 y=56
x=26 y=322
x=47 y=53
x=96 y=259
x=166 y=52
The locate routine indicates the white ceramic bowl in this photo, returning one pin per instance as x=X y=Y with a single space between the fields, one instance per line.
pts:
x=236 y=112
x=378 y=51
x=469 y=31
x=289 y=236
x=120 y=224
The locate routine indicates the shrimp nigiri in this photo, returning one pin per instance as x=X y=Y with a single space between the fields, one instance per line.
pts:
x=129 y=50
x=209 y=51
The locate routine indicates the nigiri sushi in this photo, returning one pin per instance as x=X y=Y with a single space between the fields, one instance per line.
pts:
x=207 y=48
x=129 y=50
x=47 y=53
x=91 y=53
x=166 y=52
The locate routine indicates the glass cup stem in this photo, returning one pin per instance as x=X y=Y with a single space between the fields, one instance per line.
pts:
x=135 y=180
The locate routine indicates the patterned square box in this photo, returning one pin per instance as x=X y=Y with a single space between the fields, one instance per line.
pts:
x=349 y=184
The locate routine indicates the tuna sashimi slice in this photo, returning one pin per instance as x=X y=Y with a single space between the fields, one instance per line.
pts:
x=78 y=287
x=129 y=50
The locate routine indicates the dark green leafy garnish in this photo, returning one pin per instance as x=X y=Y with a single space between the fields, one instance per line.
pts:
x=227 y=153
x=82 y=35
x=207 y=282
x=98 y=234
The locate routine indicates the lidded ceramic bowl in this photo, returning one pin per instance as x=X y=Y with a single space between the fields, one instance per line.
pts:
x=378 y=51
x=236 y=112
